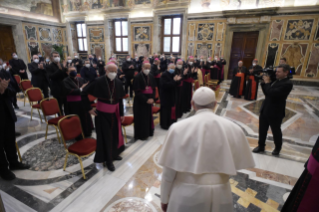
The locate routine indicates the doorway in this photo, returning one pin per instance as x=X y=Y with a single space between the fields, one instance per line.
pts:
x=243 y=48
x=7 y=46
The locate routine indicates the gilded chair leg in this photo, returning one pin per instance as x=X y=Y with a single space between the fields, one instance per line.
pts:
x=125 y=134
x=65 y=161
x=31 y=113
x=24 y=99
x=39 y=115
x=57 y=133
x=46 y=132
x=80 y=160
x=18 y=150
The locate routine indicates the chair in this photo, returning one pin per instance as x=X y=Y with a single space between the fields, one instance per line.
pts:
x=92 y=99
x=18 y=79
x=158 y=101
x=78 y=75
x=50 y=107
x=70 y=128
x=34 y=95
x=18 y=150
x=196 y=85
x=128 y=120
x=25 y=85
x=155 y=109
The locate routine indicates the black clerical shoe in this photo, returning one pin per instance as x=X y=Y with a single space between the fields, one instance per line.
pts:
x=19 y=166
x=110 y=166
x=258 y=149
x=275 y=152
x=17 y=134
x=6 y=174
x=118 y=158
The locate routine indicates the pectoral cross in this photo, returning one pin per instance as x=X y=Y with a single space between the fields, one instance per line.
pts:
x=111 y=100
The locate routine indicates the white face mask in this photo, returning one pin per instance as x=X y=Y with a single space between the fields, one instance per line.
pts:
x=15 y=56
x=87 y=65
x=69 y=61
x=136 y=58
x=179 y=66
x=111 y=75
x=4 y=66
x=254 y=64
x=190 y=63
x=146 y=71
x=215 y=58
x=75 y=56
x=99 y=58
x=128 y=59
x=57 y=59
x=36 y=60
x=150 y=57
x=201 y=60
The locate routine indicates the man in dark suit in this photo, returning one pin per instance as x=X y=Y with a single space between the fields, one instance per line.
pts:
x=77 y=63
x=272 y=110
x=57 y=73
x=128 y=68
x=39 y=75
x=8 y=152
x=18 y=66
x=88 y=72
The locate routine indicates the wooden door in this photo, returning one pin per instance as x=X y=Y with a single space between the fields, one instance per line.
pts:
x=243 y=48
x=7 y=46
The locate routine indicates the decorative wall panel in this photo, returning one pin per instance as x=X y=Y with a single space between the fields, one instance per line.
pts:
x=57 y=35
x=191 y=32
x=141 y=40
x=45 y=34
x=96 y=34
x=295 y=55
x=98 y=49
x=142 y=49
x=204 y=50
x=96 y=44
x=46 y=49
x=271 y=54
x=218 y=50
x=313 y=62
x=316 y=37
x=299 y=29
x=31 y=32
x=220 y=31
x=33 y=48
x=276 y=29
x=142 y=33
x=190 y=49
x=205 y=32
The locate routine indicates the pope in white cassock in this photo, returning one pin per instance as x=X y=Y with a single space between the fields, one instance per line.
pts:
x=198 y=156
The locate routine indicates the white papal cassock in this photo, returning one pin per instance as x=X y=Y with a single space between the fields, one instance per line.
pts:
x=198 y=156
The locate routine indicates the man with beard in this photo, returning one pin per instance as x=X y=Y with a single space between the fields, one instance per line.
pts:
x=252 y=85
x=18 y=66
x=144 y=89
x=128 y=68
x=109 y=114
x=39 y=75
x=77 y=63
x=169 y=84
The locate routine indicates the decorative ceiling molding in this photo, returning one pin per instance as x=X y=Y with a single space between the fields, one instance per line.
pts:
x=250 y=12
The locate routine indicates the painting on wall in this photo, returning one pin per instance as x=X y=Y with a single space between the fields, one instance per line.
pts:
x=271 y=54
x=96 y=34
x=31 y=32
x=43 y=7
x=276 y=29
x=204 y=50
x=190 y=49
x=218 y=49
x=313 y=62
x=220 y=31
x=142 y=49
x=142 y=33
x=205 y=32
x=57 y=35
x=191 y=32
x=33 y=48
x=98 y=49
x=65 y=36
x=46 y=49
x=295 y=55
x=45 y=34
x=299 y=29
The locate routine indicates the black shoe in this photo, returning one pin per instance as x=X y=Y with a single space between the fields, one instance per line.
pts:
x=118 y=158
x=16 y=107
x=17 y=134
x=6 y=174
x=110 y=166
x=275 y=152
x=19 y=166
x=258 y=149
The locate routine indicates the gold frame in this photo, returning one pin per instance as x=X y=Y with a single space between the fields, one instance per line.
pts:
x=46 y=121
x=31 y=103
x=24 y=91
x=194 y=84
x=18 y=150
x=66 y=148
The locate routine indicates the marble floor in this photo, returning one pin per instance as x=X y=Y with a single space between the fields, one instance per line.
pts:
x=135 y=185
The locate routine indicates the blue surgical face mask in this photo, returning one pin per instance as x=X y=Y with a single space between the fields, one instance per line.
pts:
x=171 y=71
x=47 y=60
x=73 y=73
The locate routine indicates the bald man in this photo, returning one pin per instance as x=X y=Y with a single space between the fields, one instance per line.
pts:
x=144 y=88
x=108 y=114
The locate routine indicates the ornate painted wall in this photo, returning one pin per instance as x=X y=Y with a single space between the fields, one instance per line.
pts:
x=296 y=39
x=206 y=38
x=96 y=40
x=42 y=37
x=141 y=39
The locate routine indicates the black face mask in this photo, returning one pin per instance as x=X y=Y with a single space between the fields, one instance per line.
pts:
x=73 y=74
x=91 y=58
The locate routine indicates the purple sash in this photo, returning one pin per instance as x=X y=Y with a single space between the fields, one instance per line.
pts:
x=158 y=76
x=108 y=108
x=190 y=80
x=71 y=98
x=148 y=90
x=173 y=113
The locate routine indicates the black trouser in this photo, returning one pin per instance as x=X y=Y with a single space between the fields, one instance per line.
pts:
x=129 y=84
x=275 y=124
x=62 y=102
x=8 y=151
x=14 y=100
x=44 y=88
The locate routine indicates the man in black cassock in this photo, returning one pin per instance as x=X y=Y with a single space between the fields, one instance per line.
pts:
x=163 y=63
x=156 y=72
x=77 y=62
x=88 y=72
x=128 y=68
x=8 y=152
x=169 y=85
x=109 y=114
x=179 y=70
x=41 y=59
x=144 y=89
x=18 y=66
x=304 y=195
x=251 y=90
x=75 y=102
x=39 y=75
x=188 y=77
x=101 y=66
x=238 y=83
x=217 y=69
x=57 y=73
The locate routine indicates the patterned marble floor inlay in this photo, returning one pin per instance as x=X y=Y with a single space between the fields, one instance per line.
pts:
x=131 y=204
